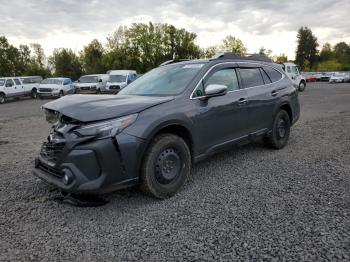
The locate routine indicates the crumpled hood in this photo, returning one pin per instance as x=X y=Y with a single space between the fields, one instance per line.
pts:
x=88 y=108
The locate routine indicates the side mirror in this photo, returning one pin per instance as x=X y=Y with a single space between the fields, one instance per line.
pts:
x=215 y=90
x=100 y=80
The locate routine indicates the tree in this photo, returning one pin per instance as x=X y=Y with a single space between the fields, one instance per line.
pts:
x=209 y=52
x=342 y=53
x=66 y=63
x=306 y=52
x=264 y=51
x=326 y=52
x=233 y=45
x=282 y=58
x=39 y=55
x=91 y=58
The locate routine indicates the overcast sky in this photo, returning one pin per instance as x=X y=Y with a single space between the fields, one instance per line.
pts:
x=269 y=23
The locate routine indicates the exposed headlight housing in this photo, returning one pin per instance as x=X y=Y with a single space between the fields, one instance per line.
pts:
x=106 y=129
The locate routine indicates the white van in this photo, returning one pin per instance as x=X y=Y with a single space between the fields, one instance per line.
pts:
x=293 y=72
x=91 y=84
x=118 y=79
x=13 y=87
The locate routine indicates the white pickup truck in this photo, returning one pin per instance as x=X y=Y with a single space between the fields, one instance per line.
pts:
x=293 y=72
x=13 y=87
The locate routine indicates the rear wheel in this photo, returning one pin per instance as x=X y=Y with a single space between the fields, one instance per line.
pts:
x=280 y=131
x=34 y=94
x=2 y=99
x=302 y=86
x=166 y=166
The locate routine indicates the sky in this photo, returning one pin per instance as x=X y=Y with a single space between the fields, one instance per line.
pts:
x=269 y=23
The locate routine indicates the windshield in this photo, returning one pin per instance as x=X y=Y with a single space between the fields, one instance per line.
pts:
x=2 y=81
x=163 y=81
x=52 y=81
x=117 y=78
x=339 y=74
x=88 y=79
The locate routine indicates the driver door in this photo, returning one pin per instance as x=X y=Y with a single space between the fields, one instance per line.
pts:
x=223 y=119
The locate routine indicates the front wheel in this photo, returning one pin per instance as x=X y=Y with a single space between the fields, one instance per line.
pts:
x=34 y=94
x=280 y=131
x=302 y=86
x=2 y=99
x=166 y=166
x=61 y=94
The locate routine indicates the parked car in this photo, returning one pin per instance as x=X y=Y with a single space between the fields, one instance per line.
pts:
x=155 y=128
x=55 y=87
x=293 y=72
x=311 y=78
x=13 y=87
x=118 y=79
x=91 y=84
x=326 y=76
x=340 y=78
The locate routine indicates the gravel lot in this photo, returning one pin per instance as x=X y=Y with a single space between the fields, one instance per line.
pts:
x=250 y=203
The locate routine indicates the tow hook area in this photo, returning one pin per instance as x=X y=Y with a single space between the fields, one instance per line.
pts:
x=81 y=200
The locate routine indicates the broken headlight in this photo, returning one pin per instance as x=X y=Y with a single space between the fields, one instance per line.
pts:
x=106 y=129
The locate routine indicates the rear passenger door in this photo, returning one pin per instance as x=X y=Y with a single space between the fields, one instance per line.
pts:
x=260 y=105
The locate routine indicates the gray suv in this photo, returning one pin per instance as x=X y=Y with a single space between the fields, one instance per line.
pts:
x=154 y=129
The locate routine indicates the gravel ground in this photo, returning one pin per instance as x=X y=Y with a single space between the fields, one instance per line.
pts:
x=250 y=203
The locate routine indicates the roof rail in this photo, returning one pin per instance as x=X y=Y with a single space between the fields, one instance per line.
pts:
x=173 y=61
x=256 y=57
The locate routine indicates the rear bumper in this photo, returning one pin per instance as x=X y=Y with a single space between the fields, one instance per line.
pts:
x=96 y=167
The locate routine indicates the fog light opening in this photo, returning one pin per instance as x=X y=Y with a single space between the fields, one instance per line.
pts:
x=67 y=178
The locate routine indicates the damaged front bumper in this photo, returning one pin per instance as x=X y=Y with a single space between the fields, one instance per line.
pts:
x=90 y=166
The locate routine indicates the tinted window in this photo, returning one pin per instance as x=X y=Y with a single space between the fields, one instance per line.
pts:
x=67 y=81
x=9 y=82
x=225 y=77
x=273 y=74
x=251 y=77
x=17 y=81
x=265 y=77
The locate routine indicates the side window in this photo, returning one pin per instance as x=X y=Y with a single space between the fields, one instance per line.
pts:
x=17 y=81
x=9 y=83
x=272 y=73
x=251 y=77
x=265 y=77
x=289 y=70
x=225 y=77
x=66 y=82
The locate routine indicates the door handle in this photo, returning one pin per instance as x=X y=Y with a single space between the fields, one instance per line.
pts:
x=242 y=101
x=274 y=93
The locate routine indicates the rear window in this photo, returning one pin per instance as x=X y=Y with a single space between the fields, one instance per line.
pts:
x=251 y=77
x=2 y=81
x=272 y=73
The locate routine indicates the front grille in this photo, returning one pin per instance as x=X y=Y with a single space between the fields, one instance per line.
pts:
x=114 y=87
x=51 y=151
x=51 y=170
x=45 y=89
x=85 y=88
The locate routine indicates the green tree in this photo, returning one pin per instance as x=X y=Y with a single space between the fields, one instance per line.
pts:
x=264 y=51
x=282 y=58
x=209 y=52
x=342 y=53
x=326 y=52
x=233 y=45
x=39 y=55
x=91 y=58
x=306 y=52
x=66 y=63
